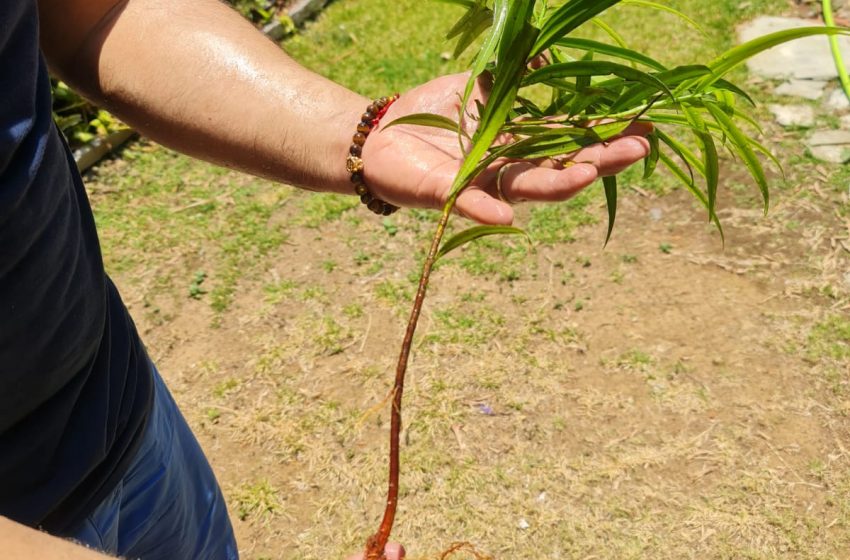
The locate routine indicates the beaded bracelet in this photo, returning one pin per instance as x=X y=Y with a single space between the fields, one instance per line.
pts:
x=354 y=162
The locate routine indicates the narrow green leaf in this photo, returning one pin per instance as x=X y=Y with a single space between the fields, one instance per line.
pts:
x=711 y=163
x=610 y=31
x=521 y=36
x=567 y=18
x=595 y=68
x=478 y=24
x=651 y=160
x=477 y=232
x=685 y=154
x=736 y=55
x=425 y=119
x=744 y=149
x=610 y=50
x=488 y=49
x=610 y=184
x=668 y=9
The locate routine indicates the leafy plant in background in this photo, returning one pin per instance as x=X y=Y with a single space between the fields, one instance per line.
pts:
x=593 y=91
x=79 y=120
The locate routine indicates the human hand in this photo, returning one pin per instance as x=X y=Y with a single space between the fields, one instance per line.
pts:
x=393 y=551
x=414 y=166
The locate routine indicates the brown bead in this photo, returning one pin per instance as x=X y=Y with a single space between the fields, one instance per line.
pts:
x=373 y=108
x=366 y=198
x=389 y=209
x=359 y=139
x=376 y=206
x=361 y=189
x=357 y=177
x=383 y=102
x=364 y=127
x=368 y=116
x=356 y=150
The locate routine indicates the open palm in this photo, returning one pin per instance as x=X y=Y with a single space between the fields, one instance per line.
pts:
x=414 y=166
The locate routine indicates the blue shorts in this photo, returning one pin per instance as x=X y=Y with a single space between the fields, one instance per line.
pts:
x=168 y=506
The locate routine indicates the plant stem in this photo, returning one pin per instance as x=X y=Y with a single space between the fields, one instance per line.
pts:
x=829 y=20
x=376 y=543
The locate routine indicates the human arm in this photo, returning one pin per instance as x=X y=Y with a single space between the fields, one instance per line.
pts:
x=19 y=542
x=193 y=75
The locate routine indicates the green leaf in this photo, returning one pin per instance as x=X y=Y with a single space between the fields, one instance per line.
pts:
x=736 y=55
x=744 y=149
x=684 y=153
x=567 y=18
x=610 y=31
x=610 y=50
x=425 y=119
x=507 y=76
x=595 y=68
x=651 y=160
x=477 y=232
x=560 y=141
x=610 y=184
x=488 y=49
x=711 y=163
x=477 y=24
x=667 y=9
x=674 y=77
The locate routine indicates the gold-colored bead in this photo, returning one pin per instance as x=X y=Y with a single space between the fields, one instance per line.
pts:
x=353 y=164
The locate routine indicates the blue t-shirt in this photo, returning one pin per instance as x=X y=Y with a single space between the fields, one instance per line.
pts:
x=75 y=382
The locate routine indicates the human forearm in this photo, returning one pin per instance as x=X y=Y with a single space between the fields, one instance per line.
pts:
x=22 y=543
x=193 y=75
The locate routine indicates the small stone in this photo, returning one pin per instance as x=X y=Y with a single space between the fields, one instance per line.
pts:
x=832 y=146
x=837 y=100
x=523 y=524
x=831 y=154
x=655 y=214
x=829 y=137
x=807 y=89
x=793 y=115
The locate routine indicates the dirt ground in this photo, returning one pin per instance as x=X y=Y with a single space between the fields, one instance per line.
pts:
x=664 y=397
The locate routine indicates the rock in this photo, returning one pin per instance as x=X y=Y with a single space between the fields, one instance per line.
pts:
x=829 y=138
x=832 y=146
x=807 y=89
x=302 y=10
x=831 y=154
x=807 y=58
x=793 y=115
x=837 y=100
